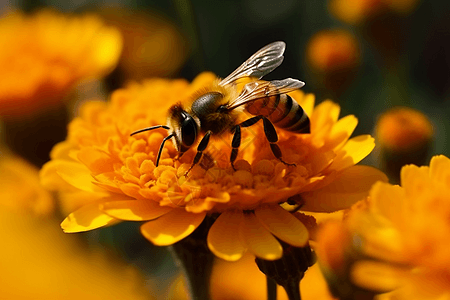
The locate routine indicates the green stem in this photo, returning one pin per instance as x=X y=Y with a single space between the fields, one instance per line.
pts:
x=196 y=260
x=197 y=269
x=271 y=289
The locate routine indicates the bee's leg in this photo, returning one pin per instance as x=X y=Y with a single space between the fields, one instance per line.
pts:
x=236 y=142
x=200 y=148
x=272 y=137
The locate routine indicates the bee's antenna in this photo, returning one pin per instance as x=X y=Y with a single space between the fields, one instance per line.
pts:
x=150 y=128
x=162 y=146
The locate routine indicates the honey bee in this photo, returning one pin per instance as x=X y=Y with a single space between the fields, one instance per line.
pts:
x=216 y=112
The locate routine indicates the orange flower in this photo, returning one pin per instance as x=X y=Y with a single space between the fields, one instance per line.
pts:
x=404 y=137
x=403 y=129
x=403 y=235
x=42 y=56
x=333 y=50
x=21 y=190
x=356 y=11
x=105 y=175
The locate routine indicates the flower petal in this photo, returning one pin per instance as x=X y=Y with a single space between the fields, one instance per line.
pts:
x=343 y=192
x=341 y=132
x=377 y=276
x=134 y=210
x=51 y=180
x=86 y=218
x=353 y=152
x=389 y=201
x=222 y=238
x=171 y=227
x=258 y=239
x=97 y=161
x=77 y=175
x=283 y=225
x=440 y=169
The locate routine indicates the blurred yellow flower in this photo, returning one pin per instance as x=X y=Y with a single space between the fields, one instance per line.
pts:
x=152 y=44
x=404 y=137
x=39 y=262
x=20 y=187
x=332 y=50
x=403 y=129
x=333 y=56
x=356 y=11
x=43 y=55
x=402 y=235
x=105 y=175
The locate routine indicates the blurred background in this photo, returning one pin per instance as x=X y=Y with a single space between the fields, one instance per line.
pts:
x=370 y=56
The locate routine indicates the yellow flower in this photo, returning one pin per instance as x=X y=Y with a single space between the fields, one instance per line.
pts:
x=356 y=11
x=105 y=175
x=21 y=190
x=39 y=262
x=403 y=235
x=42 y=56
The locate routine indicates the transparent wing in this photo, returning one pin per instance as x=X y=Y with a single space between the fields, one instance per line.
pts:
x=259 y=64
x=259 y=89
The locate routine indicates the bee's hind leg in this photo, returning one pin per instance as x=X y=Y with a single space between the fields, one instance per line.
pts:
x=200 y=148
x=272 y=137
x=236 y=142
x=269 y=131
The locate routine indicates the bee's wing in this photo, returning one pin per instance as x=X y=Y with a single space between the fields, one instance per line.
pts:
x=259 y=64
x=259 y=89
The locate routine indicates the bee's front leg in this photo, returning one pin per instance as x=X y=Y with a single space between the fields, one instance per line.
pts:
x=200 y=148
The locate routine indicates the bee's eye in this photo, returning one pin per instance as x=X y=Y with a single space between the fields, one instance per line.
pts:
x=188 y=131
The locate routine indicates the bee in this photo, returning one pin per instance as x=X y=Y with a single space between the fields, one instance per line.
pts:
x=216 y=112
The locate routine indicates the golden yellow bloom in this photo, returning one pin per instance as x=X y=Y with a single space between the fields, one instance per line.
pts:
x=403 y=234
x=402 y=129
x=39 y=262
x=105 y=175
x=20 y=187
x=333 y=50
x=42 y=56
x=356 y=11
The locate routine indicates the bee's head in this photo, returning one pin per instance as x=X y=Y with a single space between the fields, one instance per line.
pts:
x=185 y=127
x=184 y=130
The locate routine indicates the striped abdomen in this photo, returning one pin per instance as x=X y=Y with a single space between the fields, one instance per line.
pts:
x=283 y=111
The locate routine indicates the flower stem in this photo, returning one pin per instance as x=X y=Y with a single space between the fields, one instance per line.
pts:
x=289 y=269
x=292 y=288
x=196 y=260
x=271 y=289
